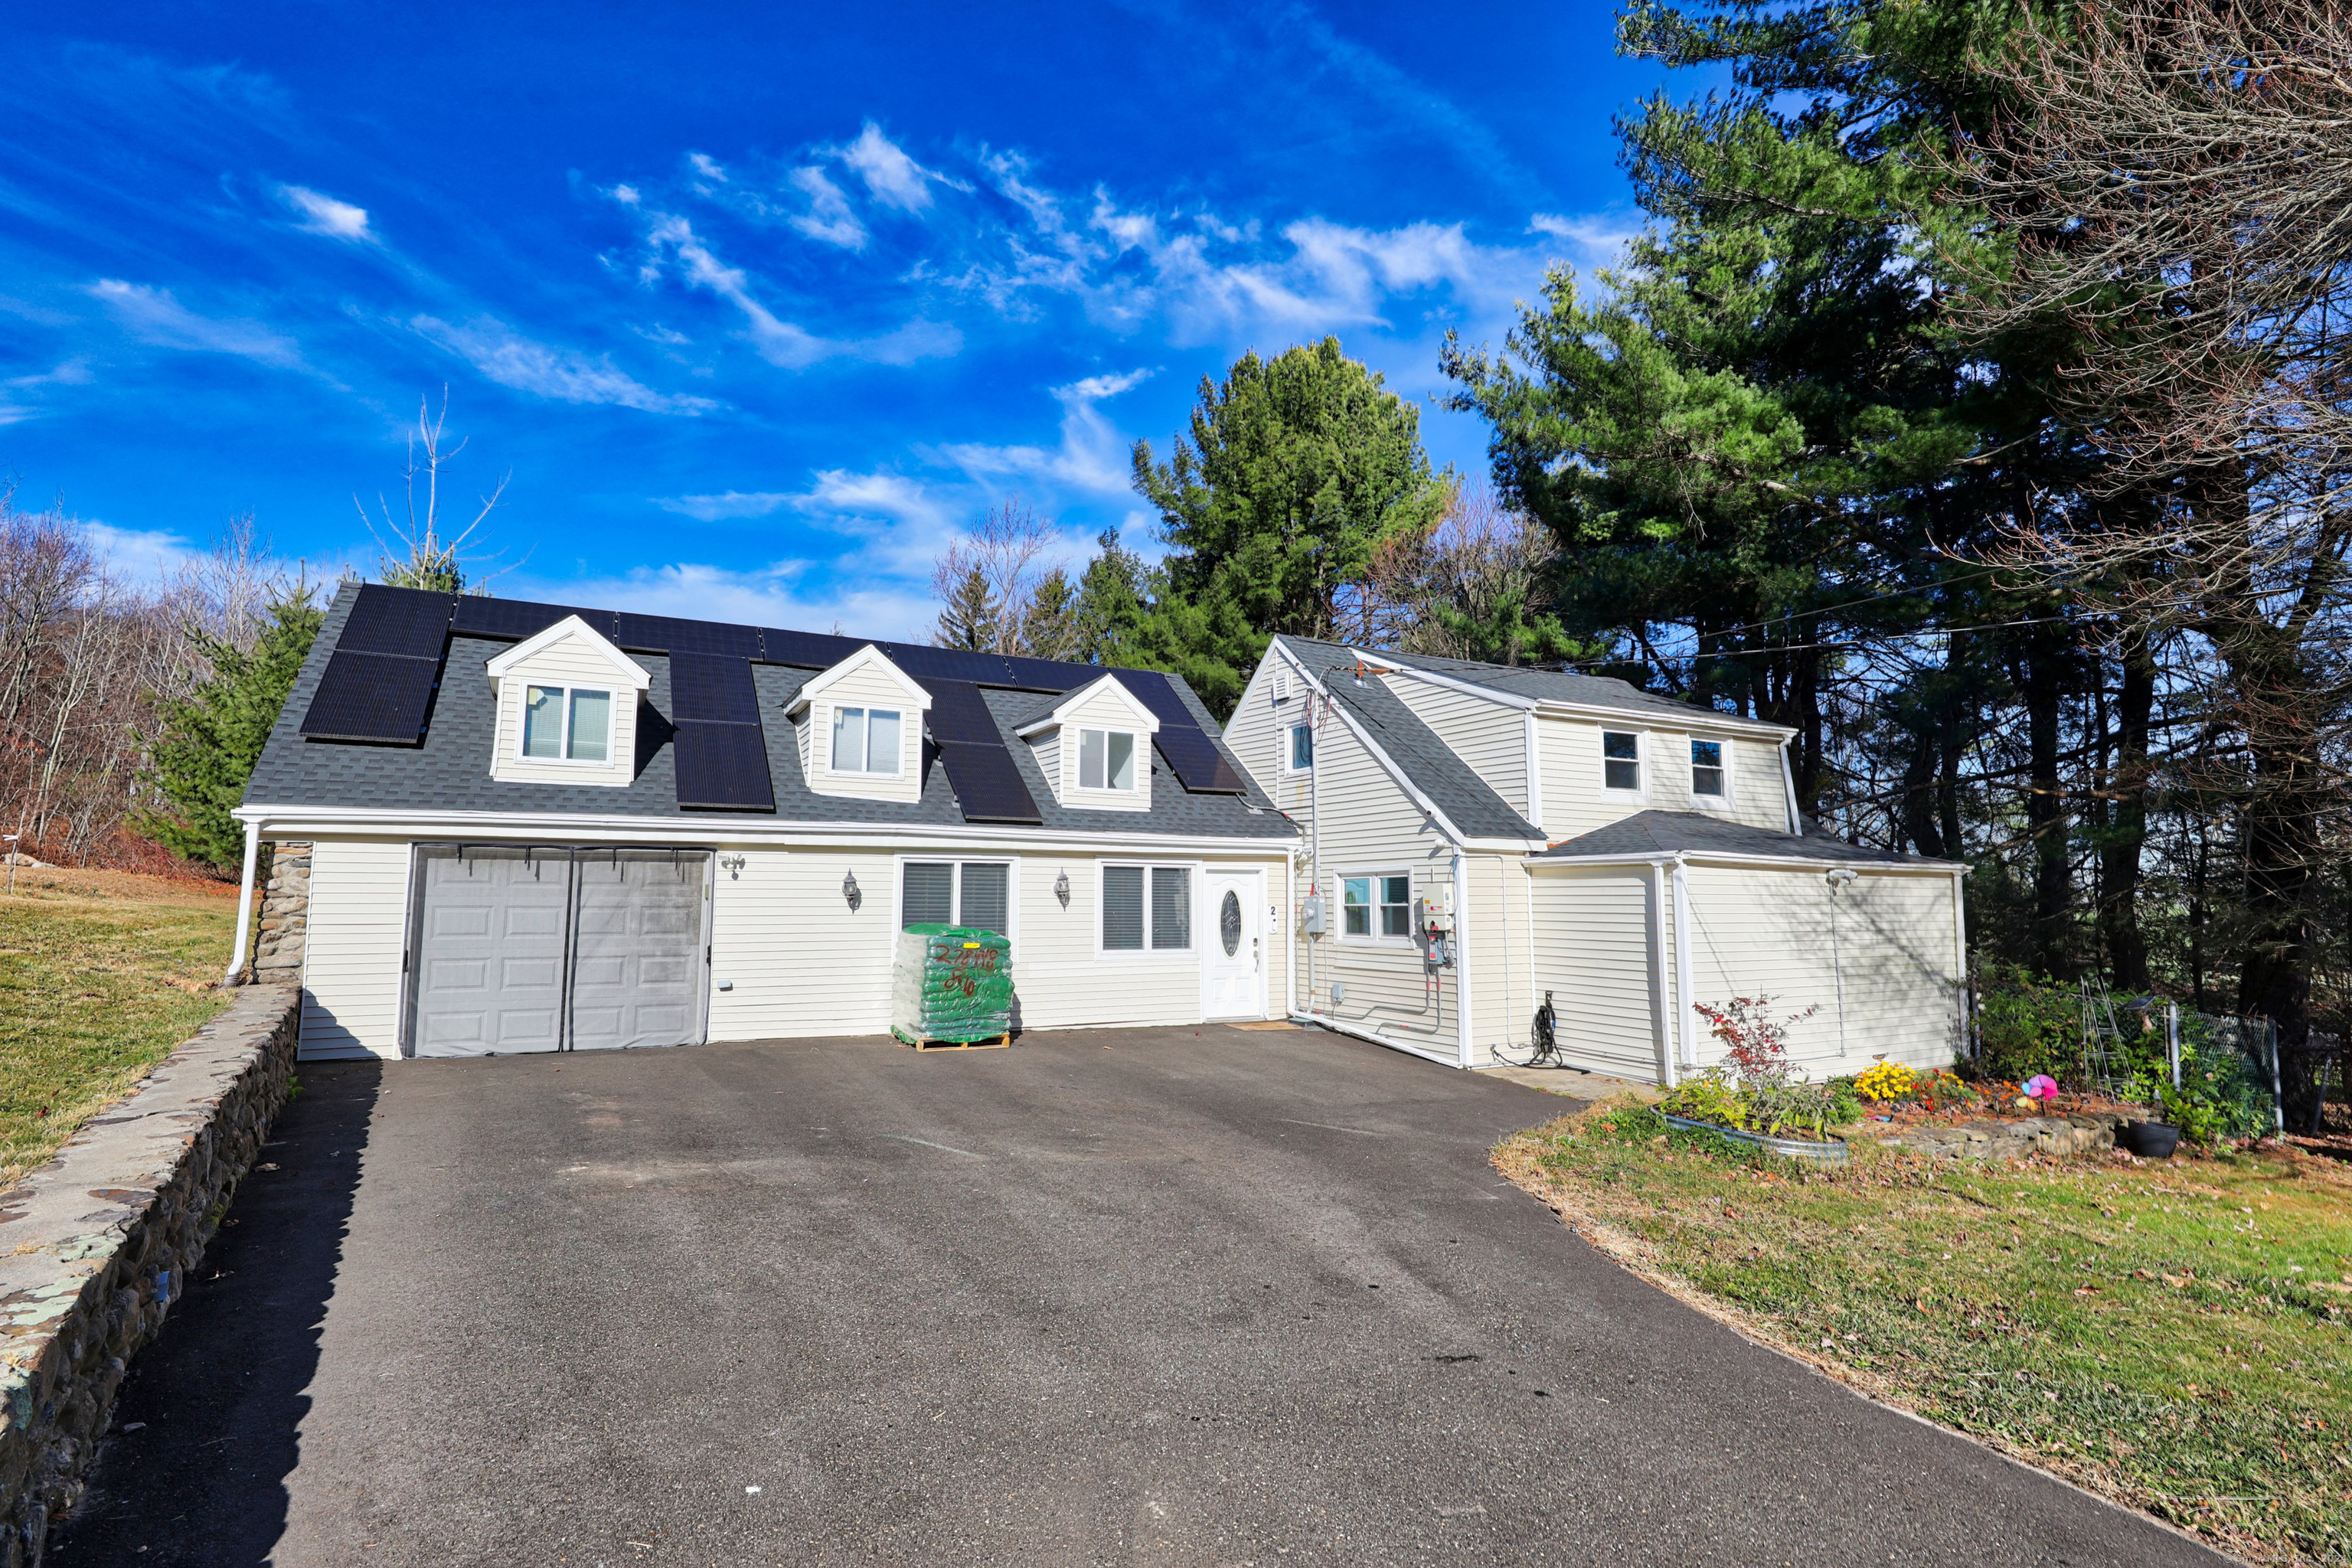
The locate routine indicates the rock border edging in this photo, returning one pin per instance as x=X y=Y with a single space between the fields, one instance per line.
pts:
x=96 y=1244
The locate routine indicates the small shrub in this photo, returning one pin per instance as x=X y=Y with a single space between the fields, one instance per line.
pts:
x=1755 y=1044
x=1711 y=1096
x=2026 y=1026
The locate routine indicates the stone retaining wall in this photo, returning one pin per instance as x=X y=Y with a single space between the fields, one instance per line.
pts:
x=96 y=1246
x=2009 y=1138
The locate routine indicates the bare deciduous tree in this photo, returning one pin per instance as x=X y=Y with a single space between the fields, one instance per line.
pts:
x=2179 y=174
x=987 y=580
x=427 y=558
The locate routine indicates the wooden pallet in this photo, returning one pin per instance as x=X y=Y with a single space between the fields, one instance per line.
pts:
x=997 y=1044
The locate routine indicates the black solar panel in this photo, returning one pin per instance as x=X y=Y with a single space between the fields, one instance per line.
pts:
x=722 y=767
x=988 y=787
x=712 y=688
x=808 y=651
x=378 y=697
x=666 y=634
x=958 y=713
x=397 y=620
x=484 y=617
x=948 y=664
x=1191 y=756
x=1046 y=675
x=1197 y=763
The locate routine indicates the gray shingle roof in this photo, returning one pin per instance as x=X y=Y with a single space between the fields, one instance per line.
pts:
x=1543 y=684
x=1695 y=832
x=1452 y=786
x=451 y=771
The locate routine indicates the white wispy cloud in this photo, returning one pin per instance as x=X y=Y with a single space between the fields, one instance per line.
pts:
x=829 y=218
x=1596 y=238
x=153 y=316
x=1093 y=455
x=324 y=214
x=566 y=375
x=780 y=343
x=891 y=176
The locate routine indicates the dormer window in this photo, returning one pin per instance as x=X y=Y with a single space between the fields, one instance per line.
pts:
x=566 y=723
x=1706 y=770
x=1621 y=760
x=1106 y=759
x=865 y=740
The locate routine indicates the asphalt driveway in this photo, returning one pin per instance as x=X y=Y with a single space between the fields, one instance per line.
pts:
x=1159 y=1297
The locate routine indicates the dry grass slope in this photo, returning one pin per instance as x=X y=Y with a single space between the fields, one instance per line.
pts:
x=101 y=974
x=2177 y=1337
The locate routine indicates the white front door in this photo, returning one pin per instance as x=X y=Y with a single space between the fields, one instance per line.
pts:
x=1233 y=983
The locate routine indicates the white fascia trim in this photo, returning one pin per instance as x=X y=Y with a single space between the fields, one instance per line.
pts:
x=304 y=822
x=1788 y=785
x=1145 y=720
x=631 y=672
x=1388 y=765
x=866 y=657
x=1721 y=857
x=1699 y=719
x=1455 y=683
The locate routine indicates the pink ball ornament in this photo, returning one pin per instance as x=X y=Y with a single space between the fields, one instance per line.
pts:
x=2042 y=1086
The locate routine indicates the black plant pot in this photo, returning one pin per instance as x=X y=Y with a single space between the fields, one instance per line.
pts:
x=2149 y=1140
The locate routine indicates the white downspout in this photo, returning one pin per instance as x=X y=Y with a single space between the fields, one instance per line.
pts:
x=1289 y=951
x=1467 y=1051
x=1669 y=1027
x=1683 y=967
x=1960 y=959
x=244 y=905
x=1788 y=787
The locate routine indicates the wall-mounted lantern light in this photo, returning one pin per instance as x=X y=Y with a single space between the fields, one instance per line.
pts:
x=1062 y=889
x=731 y=864
x=849 y=889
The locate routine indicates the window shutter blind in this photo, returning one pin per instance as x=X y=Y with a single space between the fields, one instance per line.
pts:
x=983 y=896
x=929 y=896
x=1122 y=911
x=1172 y=906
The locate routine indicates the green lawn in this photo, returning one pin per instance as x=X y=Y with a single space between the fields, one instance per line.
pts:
x=2176 y=1335
x=100 y=975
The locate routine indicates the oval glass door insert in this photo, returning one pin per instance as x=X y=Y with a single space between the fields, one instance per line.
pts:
x=1229 y=922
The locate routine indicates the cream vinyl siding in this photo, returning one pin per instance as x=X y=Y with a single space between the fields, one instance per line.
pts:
x=803 y=964
x=570 y=663
x=1494 y=947
x=1369 y=826
x=1596 y=933
x=1755 y=931
x=351 y=979
x=870 y=687
x=1048 y=750
x=1491 y=737
x=1576 y=800
x=1108 y=708
x=1259 y=734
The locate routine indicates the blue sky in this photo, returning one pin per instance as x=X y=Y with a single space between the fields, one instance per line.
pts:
x=755 y=307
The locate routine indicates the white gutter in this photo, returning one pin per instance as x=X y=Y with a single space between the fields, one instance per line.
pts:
x=1466 y=1048
x=1667 y=1020
x=307 y=821
x=244 y=904
x=1698 y=719
x=1683 y=967
x=1732 y=858
x=1788 y=787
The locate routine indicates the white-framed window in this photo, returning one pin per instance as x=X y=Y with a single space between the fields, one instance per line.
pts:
x=1146 y=909
x=1301 y=755
x=865 y=740
x=1621 y=760
x=1107 y=759
x=976 y=894
x=566 y=724
x=1710 y=781
x=1376 y=906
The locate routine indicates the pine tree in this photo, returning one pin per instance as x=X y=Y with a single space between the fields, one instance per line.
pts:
x=1049 y=626
x=968 y=619
x=212 y=738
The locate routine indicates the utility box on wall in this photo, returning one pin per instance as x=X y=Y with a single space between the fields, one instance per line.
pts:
x=1310 y=914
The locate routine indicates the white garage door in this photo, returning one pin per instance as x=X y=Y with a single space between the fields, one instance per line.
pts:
x=540 y=949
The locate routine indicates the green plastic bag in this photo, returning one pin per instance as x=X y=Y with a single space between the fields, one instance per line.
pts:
x=951 y=984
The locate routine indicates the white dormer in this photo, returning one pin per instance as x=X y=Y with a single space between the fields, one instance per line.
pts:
x=1094 y=747
x=860 y=728
x=567 y=708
